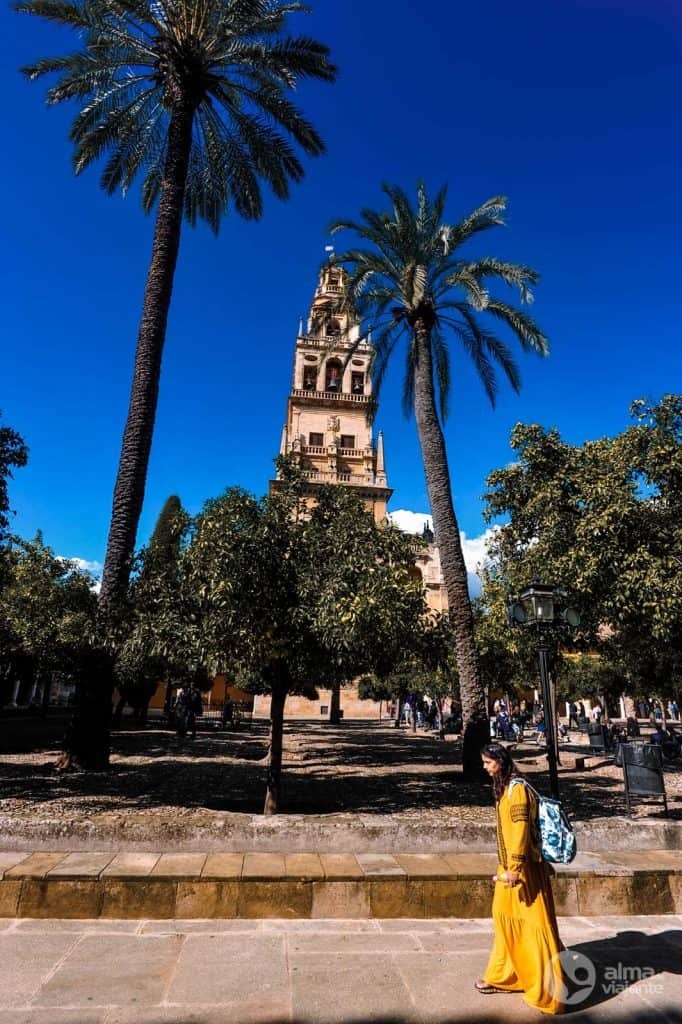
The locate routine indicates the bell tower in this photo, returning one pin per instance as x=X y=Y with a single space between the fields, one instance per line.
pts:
x=327 y=426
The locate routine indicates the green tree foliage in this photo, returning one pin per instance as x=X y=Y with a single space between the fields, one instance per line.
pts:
x=412 y=282
x=283 y=599
x=146 y=650
x=194 y=97
x=604 y=520
x=47 y=609
x=13 y=455
x=424 y=665
x=590 y=675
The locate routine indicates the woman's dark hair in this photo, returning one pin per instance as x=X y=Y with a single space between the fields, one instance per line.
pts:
x=496 y=752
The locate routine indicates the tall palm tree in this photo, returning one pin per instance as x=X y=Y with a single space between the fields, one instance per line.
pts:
x=193 y=96
x=413 y=283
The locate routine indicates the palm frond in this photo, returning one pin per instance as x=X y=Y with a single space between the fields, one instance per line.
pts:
x=514 y=274
x=230 y=62
x=407 y=262
x=524 y=327
x=441 y=365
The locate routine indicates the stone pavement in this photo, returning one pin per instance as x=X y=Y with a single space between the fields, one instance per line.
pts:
x=319 y=972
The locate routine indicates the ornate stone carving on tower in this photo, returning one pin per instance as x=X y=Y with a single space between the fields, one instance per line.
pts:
x=327 y=426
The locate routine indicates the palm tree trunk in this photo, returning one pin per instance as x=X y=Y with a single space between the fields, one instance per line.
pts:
x=137 y=436
x=446 y=529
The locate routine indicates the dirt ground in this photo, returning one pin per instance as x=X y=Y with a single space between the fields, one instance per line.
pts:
x=357 y=768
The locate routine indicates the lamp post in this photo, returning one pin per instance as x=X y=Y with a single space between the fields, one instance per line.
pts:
x=543 y=608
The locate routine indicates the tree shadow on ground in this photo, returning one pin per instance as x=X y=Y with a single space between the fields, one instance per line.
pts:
x=667 y=1013
x=354 y=768
x=598 y=971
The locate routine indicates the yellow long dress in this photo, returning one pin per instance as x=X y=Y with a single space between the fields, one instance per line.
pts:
x=524 y=954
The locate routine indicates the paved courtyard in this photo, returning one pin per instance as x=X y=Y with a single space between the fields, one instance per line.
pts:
x=319 y=972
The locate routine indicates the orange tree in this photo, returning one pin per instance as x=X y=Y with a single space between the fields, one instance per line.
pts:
x=284 y=599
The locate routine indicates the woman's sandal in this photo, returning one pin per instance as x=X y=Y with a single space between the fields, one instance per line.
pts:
x=487 y=990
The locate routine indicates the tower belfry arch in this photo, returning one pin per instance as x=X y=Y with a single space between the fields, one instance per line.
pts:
x=327 y=425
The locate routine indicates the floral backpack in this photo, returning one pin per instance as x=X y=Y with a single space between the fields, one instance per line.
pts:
x=557 y=838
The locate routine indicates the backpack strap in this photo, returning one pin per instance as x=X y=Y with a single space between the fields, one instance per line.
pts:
x=524 y=782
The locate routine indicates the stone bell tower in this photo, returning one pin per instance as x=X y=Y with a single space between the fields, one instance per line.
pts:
x=326 y=426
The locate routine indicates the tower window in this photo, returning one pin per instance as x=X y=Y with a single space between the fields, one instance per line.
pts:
x=357 y=383
x=332 y=329
x=316 y=440
x=348 y=440
x=333 y=376
x=310 y=378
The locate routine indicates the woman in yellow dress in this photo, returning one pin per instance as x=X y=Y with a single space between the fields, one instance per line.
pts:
x=524 y=956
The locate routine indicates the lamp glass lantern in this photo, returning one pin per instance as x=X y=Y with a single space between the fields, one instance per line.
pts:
x=538 y=600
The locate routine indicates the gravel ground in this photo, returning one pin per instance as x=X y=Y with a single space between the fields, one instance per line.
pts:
x=331 y=773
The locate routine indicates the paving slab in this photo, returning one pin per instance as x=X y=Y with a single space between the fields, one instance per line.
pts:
x=223 y=865
x=303 y=865
x=225 y=968
x=36 y=865
x=179 y=865
x=209 y=926
x=318 y=927
x=32 y=1015
x=80 y=865
x=346 y=987
x=263 y=866
x=368 y=943
x=131 y=865
x=112 y=970
x=83 y=925
x=8 y=860
x=258 y=1011
x=26 y=961
x=377 y=864
x=424 y=865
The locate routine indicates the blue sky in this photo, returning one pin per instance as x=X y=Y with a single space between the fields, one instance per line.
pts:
x=571 y=108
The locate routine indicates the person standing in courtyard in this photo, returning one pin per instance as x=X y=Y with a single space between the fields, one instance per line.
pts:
x=524 y=956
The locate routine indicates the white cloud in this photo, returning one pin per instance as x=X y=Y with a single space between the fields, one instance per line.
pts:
x=410 y=522
x=90 y=566
x=473 y=548
x=85 y=566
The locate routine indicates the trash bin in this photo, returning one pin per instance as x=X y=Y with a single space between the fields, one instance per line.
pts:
x=596 y=734
x=643 y=772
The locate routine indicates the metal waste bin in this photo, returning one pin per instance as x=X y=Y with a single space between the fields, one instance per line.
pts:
x=596 y=734
x=643 y=773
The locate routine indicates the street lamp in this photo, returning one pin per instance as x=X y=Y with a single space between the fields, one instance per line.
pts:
x=543 y=608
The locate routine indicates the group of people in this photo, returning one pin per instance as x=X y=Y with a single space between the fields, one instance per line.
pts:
x=511 y=721
x=185 y=710
x=654 y=709
x=669 y=739
x=431 y=714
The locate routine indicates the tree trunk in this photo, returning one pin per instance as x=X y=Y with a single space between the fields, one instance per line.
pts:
x=446 y=529
x=137 y=436
x=46 y=692
x=401 y=701
x=274 y=778
x=335 y=706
